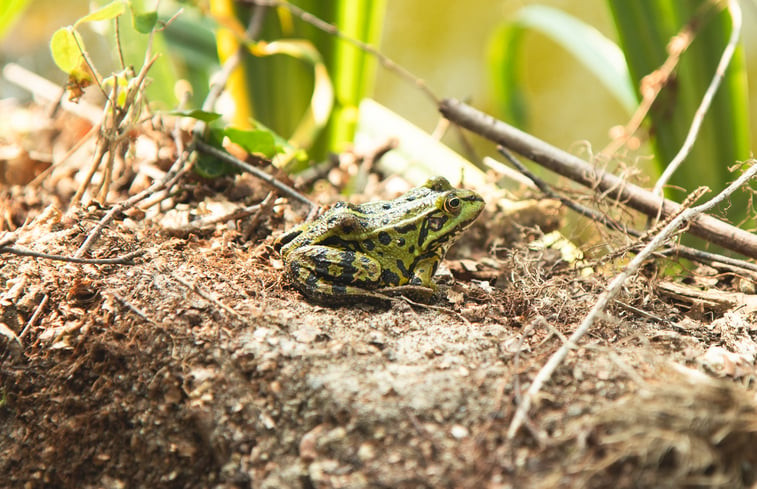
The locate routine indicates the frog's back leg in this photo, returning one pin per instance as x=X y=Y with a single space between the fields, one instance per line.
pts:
x=321 y=271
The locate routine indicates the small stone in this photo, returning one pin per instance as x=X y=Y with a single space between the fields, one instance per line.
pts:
x=459 y=432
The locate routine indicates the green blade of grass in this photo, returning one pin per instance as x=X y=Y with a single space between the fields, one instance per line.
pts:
x=10 y=11
x=595 y=52
x=645 y=27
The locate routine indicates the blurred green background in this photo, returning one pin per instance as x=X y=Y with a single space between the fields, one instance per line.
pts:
x=446 y=44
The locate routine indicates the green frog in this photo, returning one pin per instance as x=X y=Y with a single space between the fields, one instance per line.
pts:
x=354 y=252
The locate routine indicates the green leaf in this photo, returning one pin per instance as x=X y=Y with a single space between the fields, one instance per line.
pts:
x=199 y=114
x=597 y=53
x=144 y=22
x=123 y=79
x=67 y=53
x=208 y=166
x=253 y=141
x=322 y=101
x=110 y=11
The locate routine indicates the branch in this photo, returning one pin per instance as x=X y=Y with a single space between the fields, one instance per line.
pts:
x=712 y=259
x=580 y=171
x=120 y=260
x=222 y=155
x=704 y=105
x=688 y=215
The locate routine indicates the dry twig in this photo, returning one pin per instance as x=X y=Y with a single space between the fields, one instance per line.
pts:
x=704 y=105
x=177 y=170
x=120 y=260
x=35 y=316
x=578 y=170
x=277 y=185
x=205 y=295
x=612 y=290
x=712 y=259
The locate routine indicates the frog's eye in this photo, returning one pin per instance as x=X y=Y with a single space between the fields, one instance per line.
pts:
x=452 y=204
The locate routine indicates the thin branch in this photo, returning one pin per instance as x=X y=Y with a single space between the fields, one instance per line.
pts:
x=578 y=170
x=139 y=312
x=177 y=170
x=280 y=187
x=711 y=259
x=205 y=295
x=236 y=214
x=121 y=260
x=704 y=105
x=35 y=316
x=580 y=209
x=545 y=373
x=119 y=50
x=95 y=75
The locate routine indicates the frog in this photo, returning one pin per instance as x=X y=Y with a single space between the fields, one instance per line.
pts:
x=381 y=248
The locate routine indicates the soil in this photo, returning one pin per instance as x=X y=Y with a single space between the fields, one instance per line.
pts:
x=195 y=364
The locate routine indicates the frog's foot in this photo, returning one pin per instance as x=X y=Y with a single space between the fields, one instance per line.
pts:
x=339 y=295
x=413 y=292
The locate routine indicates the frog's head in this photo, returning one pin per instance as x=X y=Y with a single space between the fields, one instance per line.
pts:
x=453 y=211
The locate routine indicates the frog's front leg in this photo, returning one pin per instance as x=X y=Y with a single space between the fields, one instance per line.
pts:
x=420 y=284
x=423 y=271
x=323 y=272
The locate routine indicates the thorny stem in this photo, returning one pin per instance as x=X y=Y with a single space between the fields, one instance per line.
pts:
x=704 y=105
x=612 y=290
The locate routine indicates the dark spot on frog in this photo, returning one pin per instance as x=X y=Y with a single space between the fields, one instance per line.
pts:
x=400 y=242
x=384 y=238
x=423 y=233
x=405 y=229
x=401 y=267
x=346 y=259
x=387 y=205
x=337 y=289
x=389 y=278
x=311 y=280
x=321 y=267
x=368 y=244
x=411 y=250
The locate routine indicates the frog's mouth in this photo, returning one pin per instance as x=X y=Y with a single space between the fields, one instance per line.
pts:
x=446 y=239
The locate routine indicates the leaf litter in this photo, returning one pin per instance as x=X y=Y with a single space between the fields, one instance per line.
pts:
x=195 y=364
